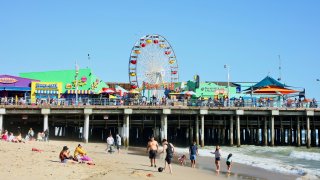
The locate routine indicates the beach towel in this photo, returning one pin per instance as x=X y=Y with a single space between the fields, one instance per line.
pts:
x=36 y=150
x=86 y=158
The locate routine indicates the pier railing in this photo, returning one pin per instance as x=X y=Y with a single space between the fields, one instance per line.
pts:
x=156 y=102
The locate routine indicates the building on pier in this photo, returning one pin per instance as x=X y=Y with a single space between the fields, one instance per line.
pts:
x=88 y=85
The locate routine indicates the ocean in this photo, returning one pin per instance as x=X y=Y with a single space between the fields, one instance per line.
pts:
x=284 y=159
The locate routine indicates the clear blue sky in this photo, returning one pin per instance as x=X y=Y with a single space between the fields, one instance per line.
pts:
x=247 y=35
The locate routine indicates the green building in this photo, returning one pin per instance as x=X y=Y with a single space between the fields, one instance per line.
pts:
x=88 y=83
x=215 y=89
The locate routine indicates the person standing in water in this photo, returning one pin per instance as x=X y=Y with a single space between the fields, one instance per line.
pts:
x=217 y=155
x=229 y=162
x=193 y=151
x=152 y=149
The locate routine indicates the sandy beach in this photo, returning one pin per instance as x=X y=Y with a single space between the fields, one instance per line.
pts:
x=19 y=161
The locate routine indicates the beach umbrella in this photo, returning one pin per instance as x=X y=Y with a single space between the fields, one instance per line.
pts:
x=189 y=93
x=274 y=90
x=107 y=91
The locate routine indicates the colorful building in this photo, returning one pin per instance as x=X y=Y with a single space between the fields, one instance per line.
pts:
x=13 y=86
x=45 y=90
x=88 y=83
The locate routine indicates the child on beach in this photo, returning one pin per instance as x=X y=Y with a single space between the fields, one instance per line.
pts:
x=217 y=155
x=193 y=151
x=182 y=160
x=229 y=162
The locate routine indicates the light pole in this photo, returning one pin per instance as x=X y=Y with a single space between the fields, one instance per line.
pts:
x=76 y=84
x=228 y=71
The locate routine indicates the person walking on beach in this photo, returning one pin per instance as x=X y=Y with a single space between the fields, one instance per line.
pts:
x=229 y=162
x=118 y=142
x=217 y=155
x=152 y=148
x=169 y=148
x=46 y=135
x=110 y=142
x=193 y=151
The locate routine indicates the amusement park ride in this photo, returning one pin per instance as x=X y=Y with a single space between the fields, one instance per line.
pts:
x=153 y=65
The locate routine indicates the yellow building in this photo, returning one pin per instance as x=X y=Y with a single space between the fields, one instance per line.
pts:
x=45 y=90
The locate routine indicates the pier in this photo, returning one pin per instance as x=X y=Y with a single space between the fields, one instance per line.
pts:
x=233 y=126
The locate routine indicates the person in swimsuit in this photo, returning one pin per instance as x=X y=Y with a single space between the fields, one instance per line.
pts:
x=152 y=148
x=229 y=162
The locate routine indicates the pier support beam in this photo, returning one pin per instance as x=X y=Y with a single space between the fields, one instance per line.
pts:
x=1 y=123
x=308 y=133
x=164 y=123
x=272 y=130
x=258 y=132
x=309 y=114
x=231 y=131
x=164 y=126
x=265 y=132
x=202 y=131
x=87 y=113
x=197 y=129
x=191 y=134
x=290 y=133
x=45 y=122
x=273 y=113
x=2 y=113
x=45 y=113
x=202 y=113
x=238 y=131
x=313 y=137
x=238 y=113
x=126 y=126
x=298 y=132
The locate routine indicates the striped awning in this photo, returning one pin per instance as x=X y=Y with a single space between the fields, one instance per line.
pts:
x=79 y=92
x=46 y=92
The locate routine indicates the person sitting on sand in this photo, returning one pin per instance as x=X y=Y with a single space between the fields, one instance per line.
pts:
x=65 y=156
x=10 y=137
x=80 y=155
x=40 y=136
x=229 y=162
x=4 y=136
x=19 y=138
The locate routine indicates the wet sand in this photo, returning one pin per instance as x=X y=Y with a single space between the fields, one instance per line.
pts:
x=238 y=171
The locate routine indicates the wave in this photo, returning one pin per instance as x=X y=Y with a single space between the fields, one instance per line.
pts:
x=305 y=155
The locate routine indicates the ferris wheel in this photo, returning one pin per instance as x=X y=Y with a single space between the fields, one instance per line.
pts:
x=153 y=64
